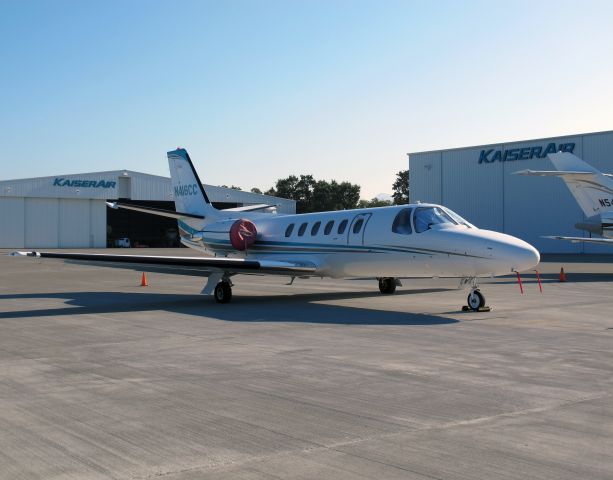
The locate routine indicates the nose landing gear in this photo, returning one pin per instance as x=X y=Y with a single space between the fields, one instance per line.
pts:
x=475 y=299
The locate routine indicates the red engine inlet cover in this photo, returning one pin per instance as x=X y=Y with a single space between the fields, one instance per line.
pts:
x=243 y=234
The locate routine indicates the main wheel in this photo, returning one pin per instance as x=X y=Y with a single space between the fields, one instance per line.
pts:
x=387 y=285
x=475 y=300
x=223 y=292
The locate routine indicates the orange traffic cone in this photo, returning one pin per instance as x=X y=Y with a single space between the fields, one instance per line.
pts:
x=143 y=280
x=562 y=275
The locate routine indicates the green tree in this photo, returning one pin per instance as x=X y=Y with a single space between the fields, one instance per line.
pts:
x=348 y=195
x=401 y=188
x=256 y=190
x=374 y=202
x=335 y=196
x=296 y=188
x=316 y=196
x=322 y=196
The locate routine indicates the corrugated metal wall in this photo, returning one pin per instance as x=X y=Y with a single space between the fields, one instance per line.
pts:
x=460 y=192
x=42 y=223
x=52 y=223
x=54 y=186
x=97 y=226
x=12 y=218
x=142 y=186
x=74 y=223
x=490 y=196
x=52 y=212
x=425 y=180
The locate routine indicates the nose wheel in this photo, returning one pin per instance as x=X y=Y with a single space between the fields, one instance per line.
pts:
x=476 y=300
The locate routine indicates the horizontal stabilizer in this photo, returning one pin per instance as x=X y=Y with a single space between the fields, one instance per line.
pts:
x=154 y=211
x=583 y=239
x=556 y=173
x=195 y=266
x=550 y=173
x=250 y=208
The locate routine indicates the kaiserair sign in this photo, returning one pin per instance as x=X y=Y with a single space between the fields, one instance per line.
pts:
x=65 y=182
x=525 y=153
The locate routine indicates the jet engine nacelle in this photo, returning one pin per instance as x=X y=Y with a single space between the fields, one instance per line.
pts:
x=601 y=224
x=241 y=232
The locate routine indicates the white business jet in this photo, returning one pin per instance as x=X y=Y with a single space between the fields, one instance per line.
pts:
x=417 y=240
x=593 y=191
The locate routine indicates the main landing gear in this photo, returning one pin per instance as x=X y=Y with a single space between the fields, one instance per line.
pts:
x=223 y=292
x=387 y=285
x=220 y=285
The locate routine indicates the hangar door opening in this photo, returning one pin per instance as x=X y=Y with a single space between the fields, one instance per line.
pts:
x=144 y=229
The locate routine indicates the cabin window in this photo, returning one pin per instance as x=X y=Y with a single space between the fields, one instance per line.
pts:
x=315 y=228
x=342 y=226
x=426 y=217
x=358 y=225
x=289 y=229
x=302 y=229
x=328 y=227
x=402 y=222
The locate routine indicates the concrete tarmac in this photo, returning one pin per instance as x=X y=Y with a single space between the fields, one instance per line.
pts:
x=103 y=379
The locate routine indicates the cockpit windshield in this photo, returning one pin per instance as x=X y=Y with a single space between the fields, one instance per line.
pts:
x=426 y=217
x=459 y=219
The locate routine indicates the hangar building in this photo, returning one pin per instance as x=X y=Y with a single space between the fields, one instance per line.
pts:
x=477 y=183
x=69 y=211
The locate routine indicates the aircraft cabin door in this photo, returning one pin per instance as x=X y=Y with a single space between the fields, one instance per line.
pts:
x=355 y=234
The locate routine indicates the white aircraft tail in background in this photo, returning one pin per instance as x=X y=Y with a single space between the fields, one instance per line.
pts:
x=592 y=189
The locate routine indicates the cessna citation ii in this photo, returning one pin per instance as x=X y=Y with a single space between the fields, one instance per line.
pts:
x=418 y=240
x=593 y=191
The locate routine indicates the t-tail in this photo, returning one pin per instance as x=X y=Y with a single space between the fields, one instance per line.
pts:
x=592 y=189
x=187 y=189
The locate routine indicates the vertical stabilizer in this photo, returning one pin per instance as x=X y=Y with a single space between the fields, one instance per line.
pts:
x=592 y=190
x=187 y=189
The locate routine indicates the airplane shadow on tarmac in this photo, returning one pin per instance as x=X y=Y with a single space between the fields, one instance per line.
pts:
x=299 y=308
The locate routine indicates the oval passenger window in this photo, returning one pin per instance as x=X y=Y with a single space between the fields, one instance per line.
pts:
x=328 y=228
x=302 y=229
x=315 y=228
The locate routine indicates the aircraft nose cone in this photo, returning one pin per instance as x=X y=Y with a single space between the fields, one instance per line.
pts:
x=523 y=256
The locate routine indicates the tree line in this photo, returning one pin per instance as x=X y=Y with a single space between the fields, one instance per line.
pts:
x=313 y=195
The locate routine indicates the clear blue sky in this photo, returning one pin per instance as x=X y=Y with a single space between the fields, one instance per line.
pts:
x=257 y=90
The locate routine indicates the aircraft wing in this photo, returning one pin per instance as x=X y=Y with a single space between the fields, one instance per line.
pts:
x=583 y=239
x=196 y=266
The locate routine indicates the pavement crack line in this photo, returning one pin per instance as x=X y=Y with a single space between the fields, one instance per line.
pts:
x=338 y=446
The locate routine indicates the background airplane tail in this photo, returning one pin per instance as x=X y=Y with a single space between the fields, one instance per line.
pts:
x=187 y=190
x=592 y=189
